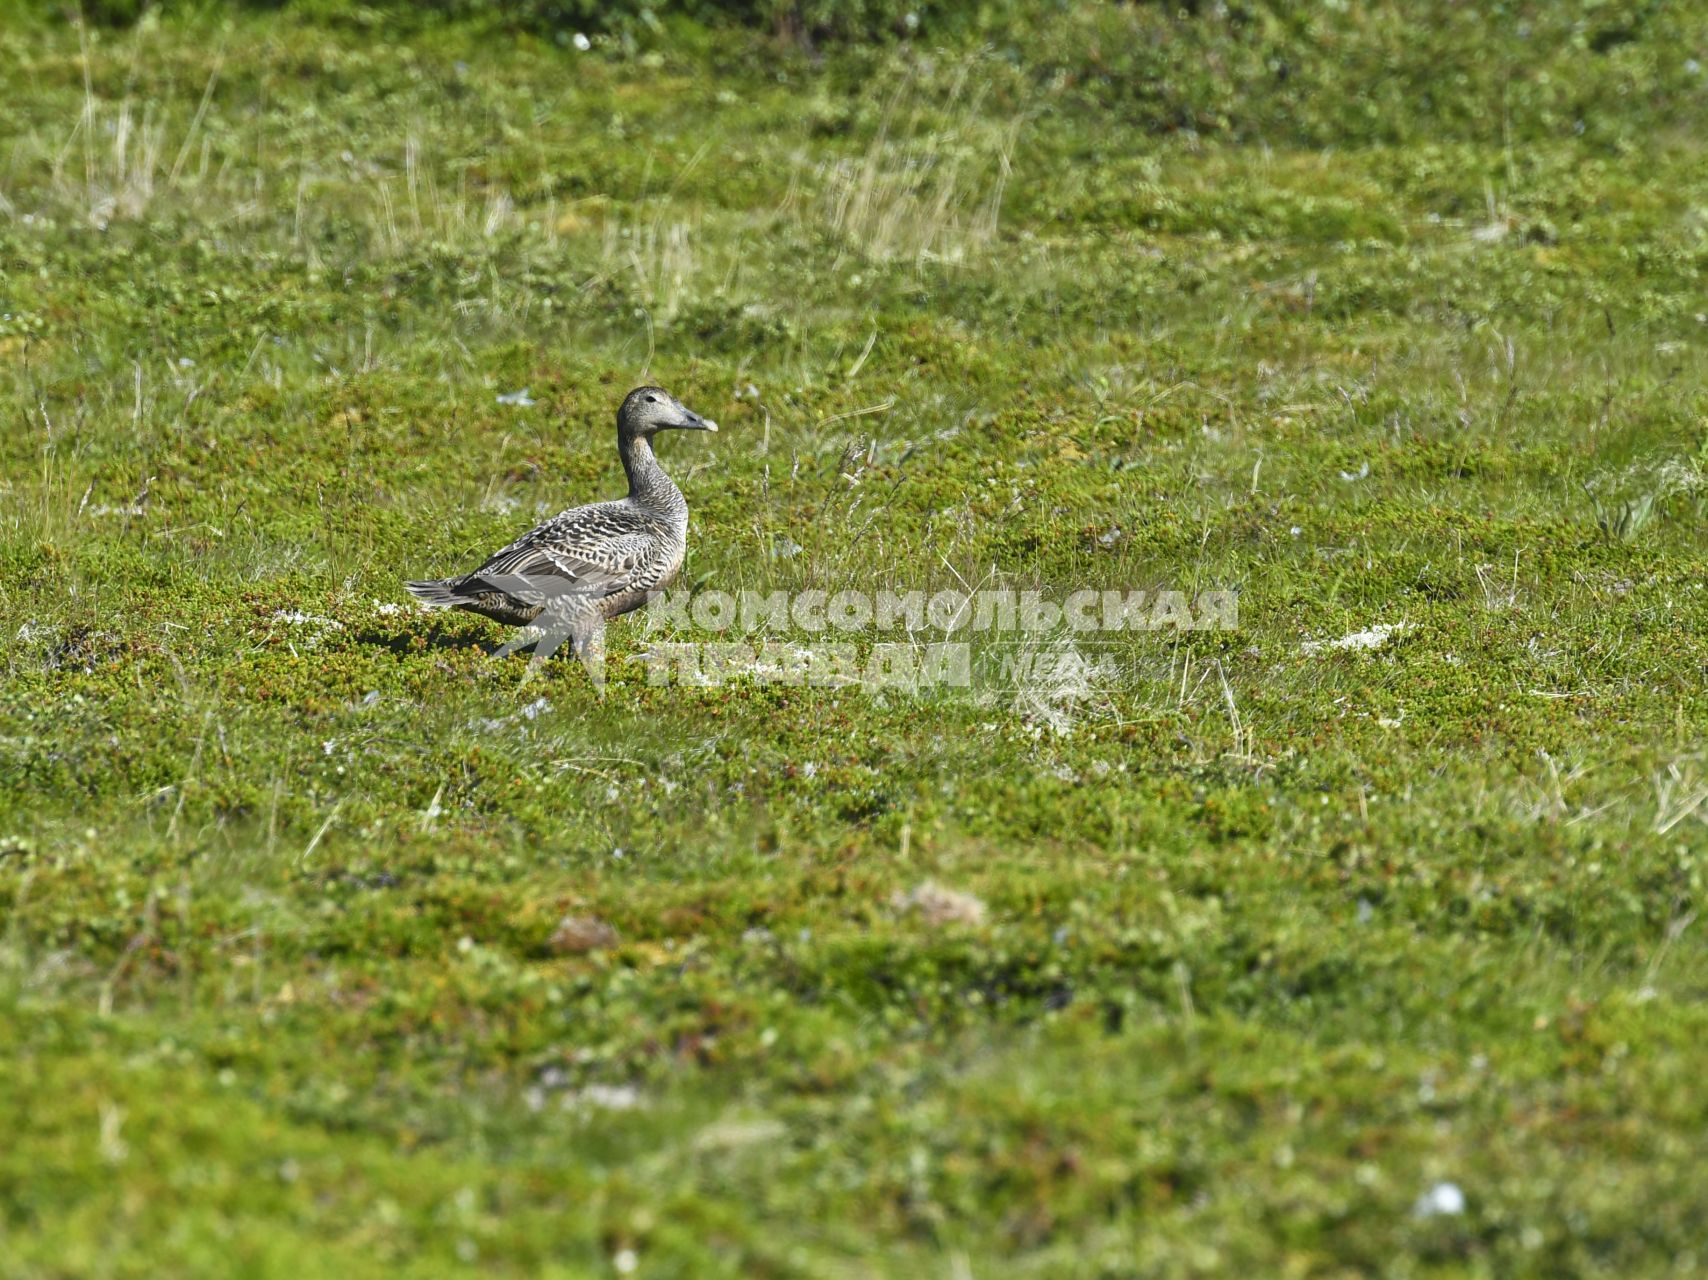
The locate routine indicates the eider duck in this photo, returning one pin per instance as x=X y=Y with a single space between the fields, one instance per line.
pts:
x=567 y=577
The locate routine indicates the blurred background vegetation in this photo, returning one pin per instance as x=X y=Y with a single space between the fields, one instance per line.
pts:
x=1328 y=72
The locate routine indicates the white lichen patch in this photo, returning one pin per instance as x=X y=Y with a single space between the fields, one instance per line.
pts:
x=1372 y=638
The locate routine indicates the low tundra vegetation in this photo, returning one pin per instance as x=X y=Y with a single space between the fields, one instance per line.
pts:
x=1358 y=937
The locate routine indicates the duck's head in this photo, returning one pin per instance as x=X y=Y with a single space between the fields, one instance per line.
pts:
x=648 y=410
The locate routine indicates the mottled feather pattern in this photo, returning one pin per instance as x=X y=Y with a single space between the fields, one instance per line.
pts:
x=589 y=564
x=582 y=557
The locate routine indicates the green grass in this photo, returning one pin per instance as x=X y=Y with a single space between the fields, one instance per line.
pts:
x=1277 y=936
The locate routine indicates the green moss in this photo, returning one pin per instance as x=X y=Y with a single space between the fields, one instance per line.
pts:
x=1339 y=310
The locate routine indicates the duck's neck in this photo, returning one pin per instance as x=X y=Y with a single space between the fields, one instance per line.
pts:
x=648 y=485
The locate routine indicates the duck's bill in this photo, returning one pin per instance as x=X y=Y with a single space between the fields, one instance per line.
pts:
x=694 y=422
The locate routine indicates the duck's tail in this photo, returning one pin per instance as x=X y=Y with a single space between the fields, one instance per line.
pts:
x=441 y=593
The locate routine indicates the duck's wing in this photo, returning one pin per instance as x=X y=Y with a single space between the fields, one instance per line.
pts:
x=586 y=553
x=566 y=565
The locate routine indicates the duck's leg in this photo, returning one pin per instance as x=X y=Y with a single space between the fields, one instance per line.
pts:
x=590 y=648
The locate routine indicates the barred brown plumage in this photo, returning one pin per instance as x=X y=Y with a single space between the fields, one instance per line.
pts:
x=567 y=577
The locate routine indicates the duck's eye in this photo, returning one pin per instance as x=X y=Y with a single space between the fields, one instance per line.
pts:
x=652 y=399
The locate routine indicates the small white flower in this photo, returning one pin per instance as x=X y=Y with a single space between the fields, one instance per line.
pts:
x=582 y=43
x=296 y=617
x=606 y=1097
x=1444 y=1199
